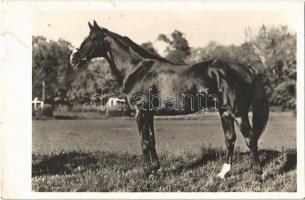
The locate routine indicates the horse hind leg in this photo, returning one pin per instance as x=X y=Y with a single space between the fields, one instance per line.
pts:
x=251 y=141
x=230 y=137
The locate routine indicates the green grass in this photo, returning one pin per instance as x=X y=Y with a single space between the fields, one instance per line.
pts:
x=122 y=171
x=100 y=154
x=176 y=136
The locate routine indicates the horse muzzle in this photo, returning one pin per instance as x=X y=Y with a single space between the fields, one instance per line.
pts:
x=76 y=61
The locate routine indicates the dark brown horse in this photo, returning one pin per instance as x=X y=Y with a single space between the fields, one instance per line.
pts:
x=156 y=86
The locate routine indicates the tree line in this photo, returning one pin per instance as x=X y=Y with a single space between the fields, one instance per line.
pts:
x=271 y=52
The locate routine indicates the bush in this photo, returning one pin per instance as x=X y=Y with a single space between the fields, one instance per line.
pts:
x=47 y=110
x=42 y=113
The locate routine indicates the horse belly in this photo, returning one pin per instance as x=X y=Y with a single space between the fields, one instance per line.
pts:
x=177 y=104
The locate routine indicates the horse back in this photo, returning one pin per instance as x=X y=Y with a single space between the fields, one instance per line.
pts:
x=231 y=83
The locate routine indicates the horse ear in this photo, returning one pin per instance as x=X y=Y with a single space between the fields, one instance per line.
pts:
x=90 y=26
x=96 y=25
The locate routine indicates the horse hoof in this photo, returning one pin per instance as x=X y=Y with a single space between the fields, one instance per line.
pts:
x=221 y=176
x=265 y=176
x=155 y=166
x=147 y=172
x=225 y=169
x=257 y=170
x=161 y=171
x=152 y=176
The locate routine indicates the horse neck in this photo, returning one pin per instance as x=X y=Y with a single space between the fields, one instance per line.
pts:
x=120 y=60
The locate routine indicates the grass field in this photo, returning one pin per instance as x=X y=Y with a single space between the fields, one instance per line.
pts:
x=104 y=155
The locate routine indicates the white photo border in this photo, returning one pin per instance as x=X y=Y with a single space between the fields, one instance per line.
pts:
x=16 y=77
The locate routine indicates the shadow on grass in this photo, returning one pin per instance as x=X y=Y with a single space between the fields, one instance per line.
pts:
x=56 y=117
x=283 y=161
x=280 y=161
x=68 y=162
x=66 y=117
x=63 y=162
x=288 y=161
x=207 y=155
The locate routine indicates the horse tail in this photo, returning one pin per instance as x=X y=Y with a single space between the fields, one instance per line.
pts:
x=260 y=109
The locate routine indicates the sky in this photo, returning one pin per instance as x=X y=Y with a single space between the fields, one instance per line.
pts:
x=199 y=26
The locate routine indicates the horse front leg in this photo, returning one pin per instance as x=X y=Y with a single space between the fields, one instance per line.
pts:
x=152 y=145
x=143 y=127
x=230 y=138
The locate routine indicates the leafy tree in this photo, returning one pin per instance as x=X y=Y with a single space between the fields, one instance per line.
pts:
x=276 y=47
x=96 y=78
x=150 y=48
x=272 y=54
x=178 y=49
x=51 y=65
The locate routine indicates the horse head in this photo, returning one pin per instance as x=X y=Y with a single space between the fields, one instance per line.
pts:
x=93 y=46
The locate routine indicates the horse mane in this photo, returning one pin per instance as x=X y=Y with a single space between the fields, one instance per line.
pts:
x=137 y=48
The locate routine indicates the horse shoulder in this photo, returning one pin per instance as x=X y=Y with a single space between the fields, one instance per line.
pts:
x=137 y=74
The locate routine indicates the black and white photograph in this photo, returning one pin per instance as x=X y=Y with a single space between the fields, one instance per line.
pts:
x=167 y=98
